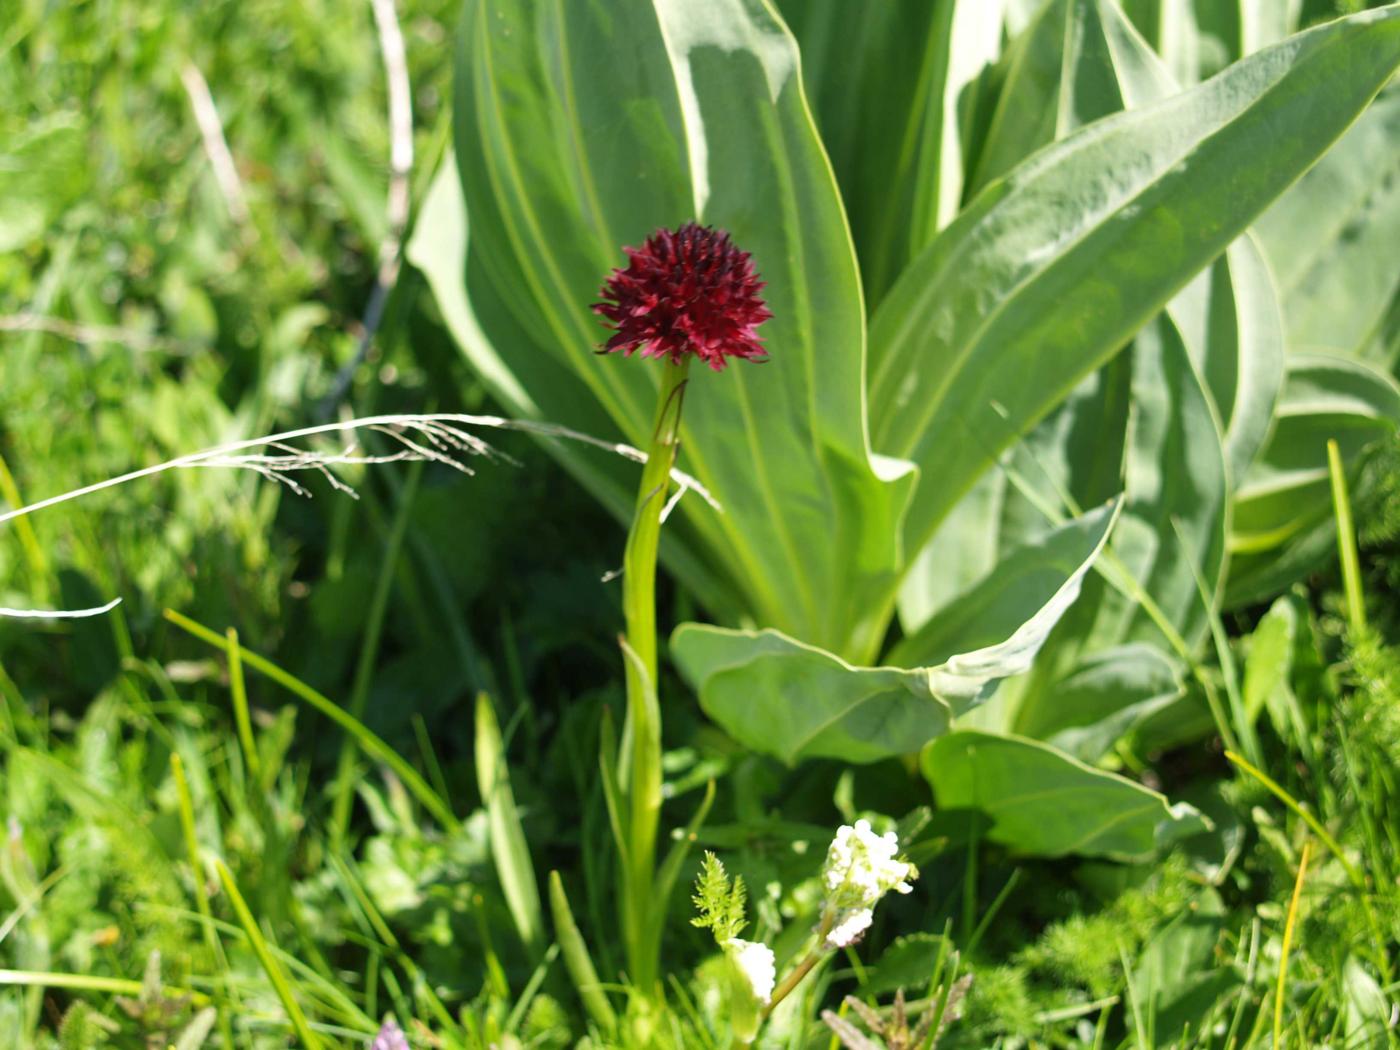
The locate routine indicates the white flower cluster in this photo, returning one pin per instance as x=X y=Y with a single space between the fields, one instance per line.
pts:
x=756 y=963
x=860 y=868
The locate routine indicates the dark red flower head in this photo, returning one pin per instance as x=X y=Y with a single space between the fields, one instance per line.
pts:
x=686 y=291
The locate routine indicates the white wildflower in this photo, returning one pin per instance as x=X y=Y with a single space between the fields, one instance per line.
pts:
x=755 y=961
x=848 y=927
x=861 y=867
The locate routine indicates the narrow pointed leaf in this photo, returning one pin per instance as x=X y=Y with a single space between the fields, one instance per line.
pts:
x=509 y=850
x=577 y=960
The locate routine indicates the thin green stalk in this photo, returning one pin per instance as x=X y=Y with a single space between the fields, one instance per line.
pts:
x=639 y=561
x=1353 y=873
x=1346 y=541
x=1288 y=927
x=1311 y=821
x=369 y=648
x=240 y=709
x=201 y=894
x=81 y=982
x=274 y=971
x=371 y=743
x=969 y=895
x=642 y=735
x=802 y=969
x=1248 y=739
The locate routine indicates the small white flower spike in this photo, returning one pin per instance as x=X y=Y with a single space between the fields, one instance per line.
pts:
x=756 y=963
x=848 y=927
x=861 y=867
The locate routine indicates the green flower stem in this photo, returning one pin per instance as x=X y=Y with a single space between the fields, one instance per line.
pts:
x=794 y=978
x=642 y=736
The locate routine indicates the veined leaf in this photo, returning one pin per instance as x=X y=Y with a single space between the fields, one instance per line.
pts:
x=1025 y=581
x=1099 y=700
x=1331 y=239
x=1045 y=803
x=692 y=112
x=1212 y=364
x=780 y=697
x=795 y=701
x=1051 y=269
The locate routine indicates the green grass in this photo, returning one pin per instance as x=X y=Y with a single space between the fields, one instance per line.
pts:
x=277 y=801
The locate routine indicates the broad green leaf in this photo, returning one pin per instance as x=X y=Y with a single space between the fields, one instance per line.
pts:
x=1075 y=62
x=584 y=127
x=780 y=697
x=1213 y=361
x=1175 y=975
x=896 y=88
x=1085 y=712
x=794 y=701
x=963 y=551
x=1366 y=1007
x=1025 y=581
x=1270 y=657
x=1051 y=269
x=1081 y=60
x=1331 y=240
x=1045 y=803
x=1283 y=521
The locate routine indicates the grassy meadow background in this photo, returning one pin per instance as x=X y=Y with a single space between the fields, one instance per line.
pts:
x=174 y=876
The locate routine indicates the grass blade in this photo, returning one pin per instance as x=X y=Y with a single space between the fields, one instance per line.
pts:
x=274 y=972
x=201 y=895
x=240 y=708
x=369 y=742
x=576 y=958
x=670 y=868
x=509 y=850
x=369 y=649
x=1289 y=926
x=1346 y=540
